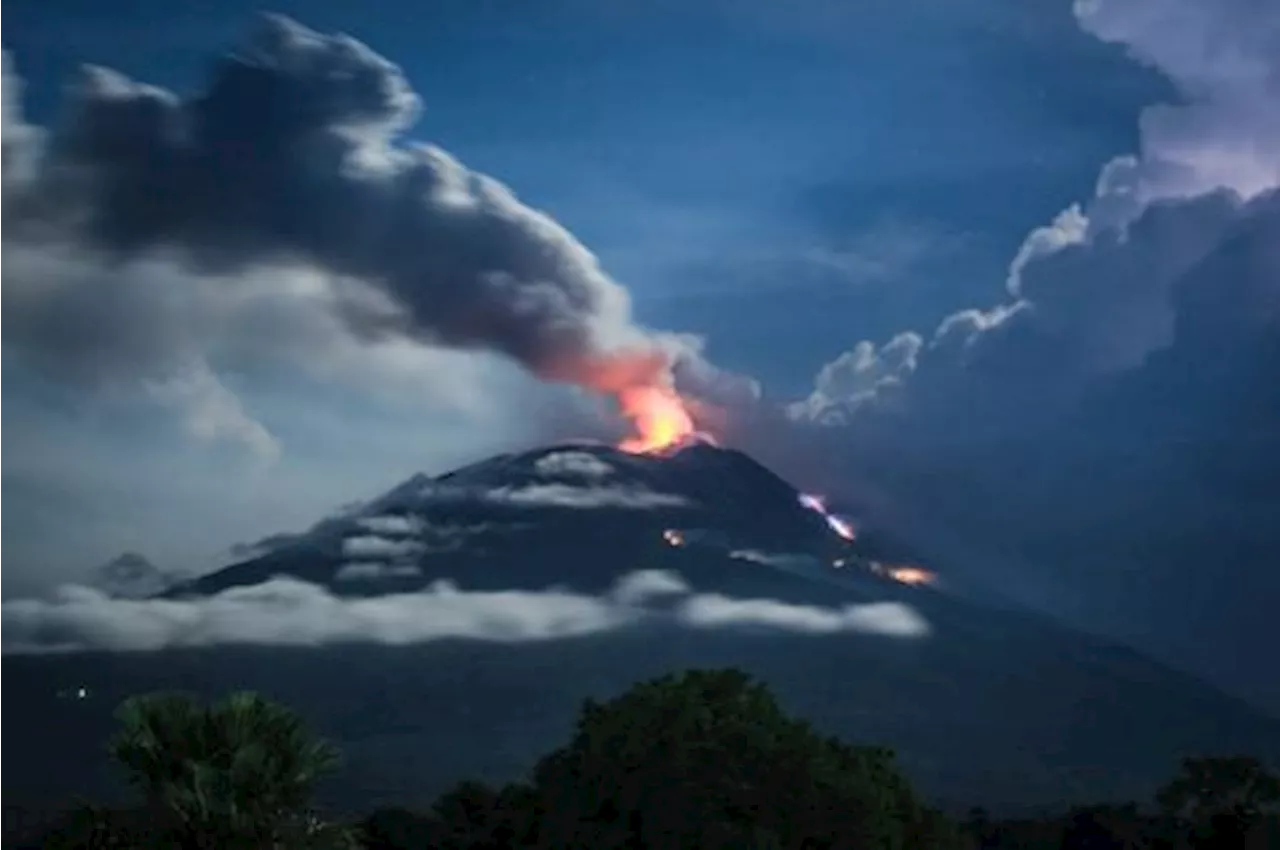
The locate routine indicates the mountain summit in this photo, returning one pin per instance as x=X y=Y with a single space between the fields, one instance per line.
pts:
x=575 y=515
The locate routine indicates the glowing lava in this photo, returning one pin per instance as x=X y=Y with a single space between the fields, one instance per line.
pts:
x=904 y=573
x=839 y=525
x=658 y=416
x=911 y=575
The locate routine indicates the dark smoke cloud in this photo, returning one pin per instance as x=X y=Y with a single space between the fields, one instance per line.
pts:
x=1104 y=444
x=293 y=154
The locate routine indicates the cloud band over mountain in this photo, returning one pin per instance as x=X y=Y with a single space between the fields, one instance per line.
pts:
x=288 y=612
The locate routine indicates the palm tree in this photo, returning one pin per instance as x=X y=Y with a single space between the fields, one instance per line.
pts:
x=235 y=773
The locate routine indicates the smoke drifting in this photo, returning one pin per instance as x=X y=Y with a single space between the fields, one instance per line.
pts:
x=292 y=155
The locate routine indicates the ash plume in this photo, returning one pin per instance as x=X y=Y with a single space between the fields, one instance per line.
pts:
x=294 y=154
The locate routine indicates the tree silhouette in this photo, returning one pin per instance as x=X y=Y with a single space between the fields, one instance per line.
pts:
x=236 y=773
x=1106 y=827
x=1221 y=798
x=708 y=759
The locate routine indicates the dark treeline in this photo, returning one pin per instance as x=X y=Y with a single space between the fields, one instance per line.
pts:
x=705 y=759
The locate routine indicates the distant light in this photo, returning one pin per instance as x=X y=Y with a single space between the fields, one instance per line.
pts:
x=838 y=563
x=673 y=537
x=81 y=693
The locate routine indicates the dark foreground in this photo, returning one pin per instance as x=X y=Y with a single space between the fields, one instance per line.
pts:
x=1015 y=725
x=706 y=759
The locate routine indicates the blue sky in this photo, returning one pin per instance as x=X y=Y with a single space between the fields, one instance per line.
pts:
x=856 y=172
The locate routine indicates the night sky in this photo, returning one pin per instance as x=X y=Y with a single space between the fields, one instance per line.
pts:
x=1004 y=275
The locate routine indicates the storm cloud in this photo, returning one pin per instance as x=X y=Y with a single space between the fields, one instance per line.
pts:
x=1102 y=443
x=288 y=612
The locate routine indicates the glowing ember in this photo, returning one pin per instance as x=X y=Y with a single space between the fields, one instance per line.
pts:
x=673 y=537
x=904 y=573
x=659 y=417
x=911 y=575
x=839 y=525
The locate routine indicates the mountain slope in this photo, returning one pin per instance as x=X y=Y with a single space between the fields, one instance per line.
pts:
x=991 y=707
x=578 y=515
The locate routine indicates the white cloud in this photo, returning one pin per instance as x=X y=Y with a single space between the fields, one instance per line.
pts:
x=391 y=525
x=374 y=571
x=572 y=464
x=1224 y=57
x=567 y=496
x=860 y=376
x=288 y=612
x=1094 y=291
x=645 y=585
x=373 y=547
x=892 y=619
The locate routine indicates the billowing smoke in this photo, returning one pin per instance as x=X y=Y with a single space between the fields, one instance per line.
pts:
x=1107 y=283
x=293 y=155
x=288 y=612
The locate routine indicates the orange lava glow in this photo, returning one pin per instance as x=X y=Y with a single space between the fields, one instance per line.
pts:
x=839 y=525
x=658 y=416
x=911 y=575
x=904 y=573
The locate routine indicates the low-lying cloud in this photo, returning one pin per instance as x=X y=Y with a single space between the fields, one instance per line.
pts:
x=572 y=464
x=882 y=618
x=374 y=547
x=568 y=496
x=392 y=524
x=288 y=612
x=374 y=571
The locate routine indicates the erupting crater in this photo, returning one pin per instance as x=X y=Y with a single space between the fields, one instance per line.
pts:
x=660 y=418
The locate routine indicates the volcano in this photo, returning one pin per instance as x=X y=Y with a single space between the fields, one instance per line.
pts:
x=984 y=706
x=575 y=515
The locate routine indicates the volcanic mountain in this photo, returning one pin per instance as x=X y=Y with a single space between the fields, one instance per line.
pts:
x=578 y=515
x=983 y=705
